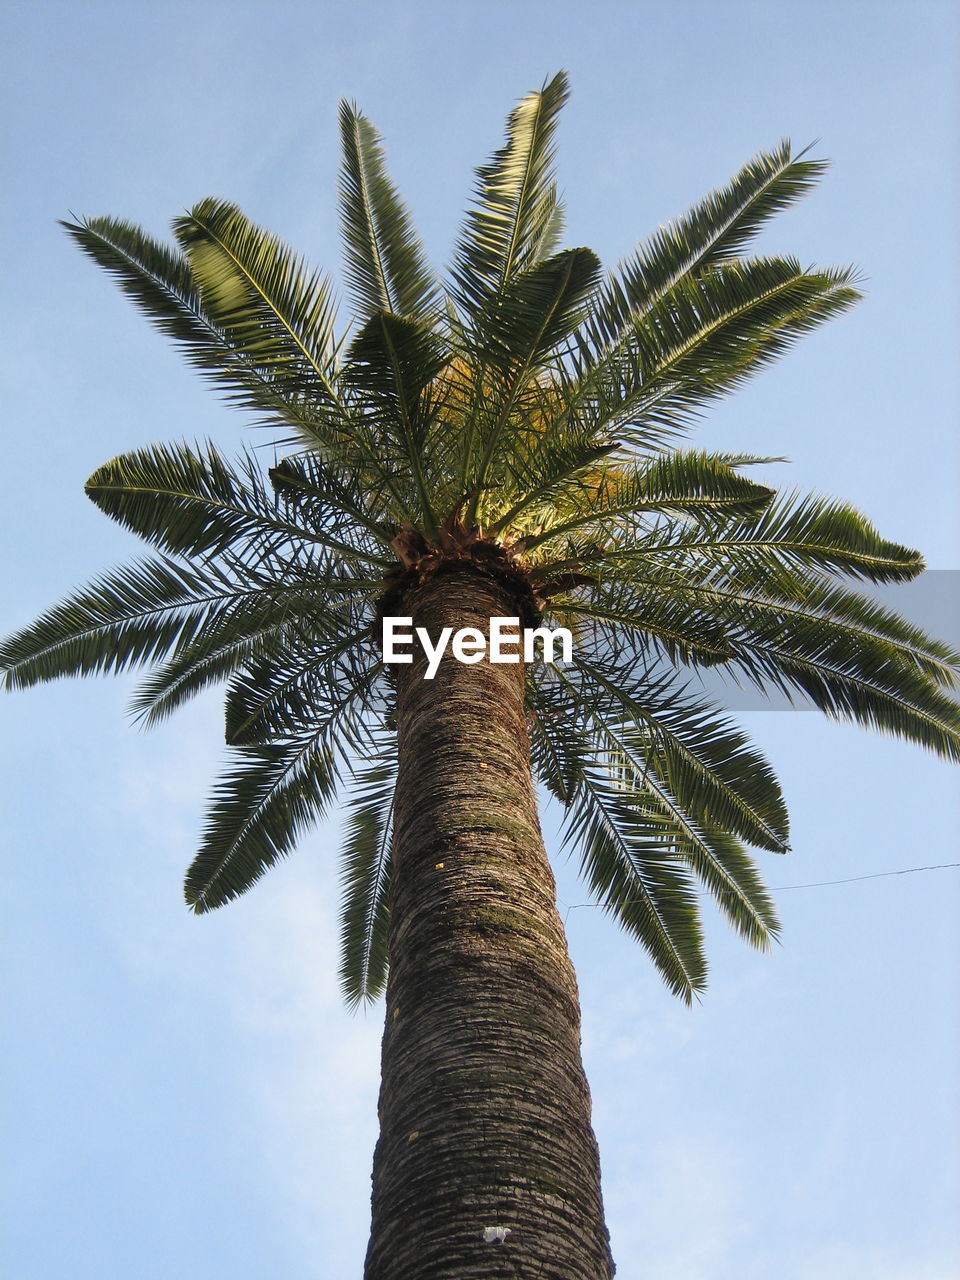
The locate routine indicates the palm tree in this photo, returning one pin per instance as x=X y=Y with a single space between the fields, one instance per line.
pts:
x=504 y=447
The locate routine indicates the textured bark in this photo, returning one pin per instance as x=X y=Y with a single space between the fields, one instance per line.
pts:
x=484 y=1107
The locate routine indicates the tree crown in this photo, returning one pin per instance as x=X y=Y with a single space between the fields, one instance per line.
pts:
x=520 y=421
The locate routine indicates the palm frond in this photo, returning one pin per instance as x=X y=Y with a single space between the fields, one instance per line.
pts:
x=714 y=231
x=280 y=787
x=632 y=875
x=623 y=857
x=194 y=503
x=266 y=609
x=393 y=361
x=699 y=755
x=161 y=282
x=793 y=532
x=611 y=498
x=260 y=808
x=705 y=337
x=281 y=692
x=515 y=220
x=628 y=865
x=538 y=478
x=559 y=760
x=717 y=859
x=819 y=649
x=365 y=881
x=673 y=777
x=323 y=499
x=385 y=265
x=158 y=279
x=272 y=309
x=535 y=313
x=228 y=641
x=655 y=613
x=133 y=616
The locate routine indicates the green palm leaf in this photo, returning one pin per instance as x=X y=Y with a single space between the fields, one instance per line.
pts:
x=282 y=690
x=133 y=616
x=516 y=218
x=535 y=314
x=393 y=360
x=324 y=499
x=192 y=503
x=713 y=854
x=260 y=808
x=256 y=619
x=653 y=812
x=635 y=877
x=226 y=643
x=536 y=476
x=385 y=266
x=693 y=483
x=537 y=311
x=161 y=282
x=273 y=310
x=627 y=864
x=793 y=533
x=714 y=231
x=702 y=339
x=700 y=756
x=655 y=613
x=818 y=649
x=365 y=880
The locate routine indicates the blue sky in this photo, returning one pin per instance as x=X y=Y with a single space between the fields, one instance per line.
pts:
x=186 y=1097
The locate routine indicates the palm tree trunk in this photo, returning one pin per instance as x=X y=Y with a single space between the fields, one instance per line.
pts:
x=484 y=1107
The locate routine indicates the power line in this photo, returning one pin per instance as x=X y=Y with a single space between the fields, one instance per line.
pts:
x=815 y=884
x=876 y=875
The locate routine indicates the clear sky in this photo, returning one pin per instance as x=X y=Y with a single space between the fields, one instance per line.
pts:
x=185 y=1097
